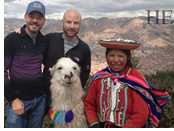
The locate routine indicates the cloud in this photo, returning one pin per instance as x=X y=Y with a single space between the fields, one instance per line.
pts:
x=88 y=8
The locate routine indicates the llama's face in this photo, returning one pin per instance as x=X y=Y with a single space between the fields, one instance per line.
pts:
x=65 y=71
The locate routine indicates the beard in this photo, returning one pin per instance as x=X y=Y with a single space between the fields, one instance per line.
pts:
x=32 y=29
x=70 y=32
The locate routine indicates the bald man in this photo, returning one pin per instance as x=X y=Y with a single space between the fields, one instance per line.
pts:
x=68 y=44
x=71 y=24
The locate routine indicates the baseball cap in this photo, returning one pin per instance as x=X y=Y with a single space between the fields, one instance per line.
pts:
x=36 y=6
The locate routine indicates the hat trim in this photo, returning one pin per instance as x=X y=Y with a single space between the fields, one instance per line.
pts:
x=119 y=45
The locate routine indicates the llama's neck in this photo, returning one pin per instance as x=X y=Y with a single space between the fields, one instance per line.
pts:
x=65 y=97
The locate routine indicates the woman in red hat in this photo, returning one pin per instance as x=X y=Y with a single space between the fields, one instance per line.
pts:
x=119 y=96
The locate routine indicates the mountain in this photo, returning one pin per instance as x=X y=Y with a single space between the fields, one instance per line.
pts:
x=157 y=40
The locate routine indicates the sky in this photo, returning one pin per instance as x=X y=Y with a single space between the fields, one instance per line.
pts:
x=91 y=8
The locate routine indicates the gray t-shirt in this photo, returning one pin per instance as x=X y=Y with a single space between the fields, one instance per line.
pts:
x=34 y=40
x=69 y=44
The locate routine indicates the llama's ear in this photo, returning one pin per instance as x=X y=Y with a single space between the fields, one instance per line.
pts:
x=53 y=69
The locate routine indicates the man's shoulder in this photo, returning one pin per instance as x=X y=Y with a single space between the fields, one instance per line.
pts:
x=83 y=44
x=12 y=34
x=17 y=35
x=12 y=37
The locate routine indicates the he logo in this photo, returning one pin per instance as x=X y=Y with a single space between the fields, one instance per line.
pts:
x=157 y=15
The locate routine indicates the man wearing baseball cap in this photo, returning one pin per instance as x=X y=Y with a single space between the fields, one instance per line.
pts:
x=36 y=6
x=24 y=85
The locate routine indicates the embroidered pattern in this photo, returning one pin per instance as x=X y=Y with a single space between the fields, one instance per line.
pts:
x=154 y=98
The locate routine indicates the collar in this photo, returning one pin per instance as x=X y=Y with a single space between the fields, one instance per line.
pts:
x=72 y=42
x=79 y=40
x=125 y=71
x=24 y=33
x=107 y=73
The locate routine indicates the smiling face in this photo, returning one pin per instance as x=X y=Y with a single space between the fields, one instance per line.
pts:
x=34 y=22
x=71 y=24
x=116 y=60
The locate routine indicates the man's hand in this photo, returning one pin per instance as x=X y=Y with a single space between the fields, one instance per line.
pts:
x=18 y=106
x=17 y=30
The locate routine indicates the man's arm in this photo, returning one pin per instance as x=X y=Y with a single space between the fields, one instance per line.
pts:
x=86 y=67
x=9 y=50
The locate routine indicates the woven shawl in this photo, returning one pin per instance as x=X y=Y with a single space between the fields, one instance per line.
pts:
x=154 y=98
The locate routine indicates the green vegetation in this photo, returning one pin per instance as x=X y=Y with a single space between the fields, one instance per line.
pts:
x=164 y=80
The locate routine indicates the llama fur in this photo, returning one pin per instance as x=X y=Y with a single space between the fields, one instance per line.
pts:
x=67 y=92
